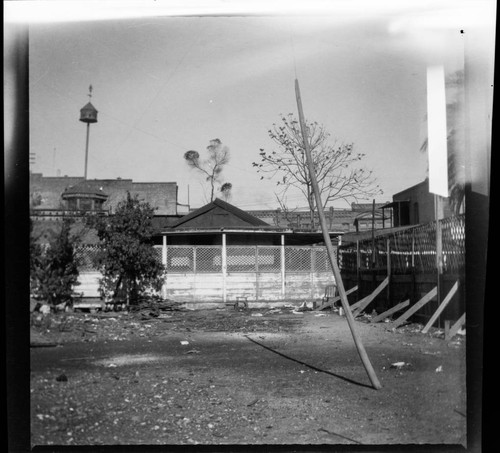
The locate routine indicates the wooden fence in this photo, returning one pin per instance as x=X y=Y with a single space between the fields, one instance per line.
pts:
x=220 y=274
x=409 y=258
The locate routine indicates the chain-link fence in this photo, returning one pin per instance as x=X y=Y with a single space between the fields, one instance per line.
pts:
x=201 y=258
x=409 y=257
x=412 y=248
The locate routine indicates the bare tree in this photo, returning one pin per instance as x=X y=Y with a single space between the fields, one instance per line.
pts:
x=337 y=165
x=211 y=168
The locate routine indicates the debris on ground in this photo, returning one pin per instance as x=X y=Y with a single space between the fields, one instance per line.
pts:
x=153 y=306
x=439 y=369
x=400 y=365
x=304 y=307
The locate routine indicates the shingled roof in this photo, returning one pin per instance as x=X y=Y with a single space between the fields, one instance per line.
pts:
x=204 y=217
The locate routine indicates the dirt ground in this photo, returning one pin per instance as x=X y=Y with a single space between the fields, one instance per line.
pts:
x=241 y=377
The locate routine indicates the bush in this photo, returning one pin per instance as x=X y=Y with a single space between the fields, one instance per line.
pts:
x=54 y=272
x=127 y=259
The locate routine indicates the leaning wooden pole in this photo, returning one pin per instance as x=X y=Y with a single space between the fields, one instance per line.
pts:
x=331 y=255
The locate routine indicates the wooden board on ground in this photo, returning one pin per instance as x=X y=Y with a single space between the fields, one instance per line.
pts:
x=428 y=297
x=455 y=328
x=359 y=306
x=389 y=312
x=336 y=299
x=443 y=305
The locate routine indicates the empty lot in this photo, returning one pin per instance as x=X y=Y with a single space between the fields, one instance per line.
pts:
x=229 y=376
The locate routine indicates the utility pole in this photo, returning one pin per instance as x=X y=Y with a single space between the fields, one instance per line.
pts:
x=331 y=255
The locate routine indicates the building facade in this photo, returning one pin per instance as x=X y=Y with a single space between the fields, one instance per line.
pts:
x=416 y=205
x=358 y=218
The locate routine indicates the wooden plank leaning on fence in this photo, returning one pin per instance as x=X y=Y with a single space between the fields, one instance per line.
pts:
x=443 y=305
x=335 y=299
x=392 y=310
x=455 y=328
x=428 y=297
x=359 y=306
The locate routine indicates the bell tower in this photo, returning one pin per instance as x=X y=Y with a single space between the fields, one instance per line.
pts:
x=88 y=114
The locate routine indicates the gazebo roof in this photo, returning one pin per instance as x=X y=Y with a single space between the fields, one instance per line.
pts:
x=219 y=214
x=89 y=189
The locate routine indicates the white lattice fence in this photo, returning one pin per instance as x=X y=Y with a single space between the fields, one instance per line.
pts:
x=195 y=273
x=85 y=257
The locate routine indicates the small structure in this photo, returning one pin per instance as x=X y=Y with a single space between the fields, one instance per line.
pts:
x=415 y=205
x=85 y=196
x=220 y=253
x=88 y=115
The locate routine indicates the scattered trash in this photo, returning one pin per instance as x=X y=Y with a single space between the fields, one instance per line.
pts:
x=184 y=343
x=256 y=314
x=439 y=369
x=341 y=311
x=62 y=378
x=304 y=307
x=302 y=371
x=297 y=312
x=398 y=365
x=320 y=314
x=193 y=351
x=112 y=365
x=461 y=332
x=252 y=402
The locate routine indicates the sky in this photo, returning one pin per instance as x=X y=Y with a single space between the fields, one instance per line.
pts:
x=164 y=85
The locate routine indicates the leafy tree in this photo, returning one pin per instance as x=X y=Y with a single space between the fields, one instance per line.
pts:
x=212 y=167
x=54 y=271
x=35 y=256
x=337 y=166
x=127 y=259
x=225 y=191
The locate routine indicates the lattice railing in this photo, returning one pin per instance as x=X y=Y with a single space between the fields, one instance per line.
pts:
x=298 y=259
x=85 y=257
x=180 y=259
x=268 y=258
x=208 y=259
x=321 y=261
x=413 y=248
x=241 y=259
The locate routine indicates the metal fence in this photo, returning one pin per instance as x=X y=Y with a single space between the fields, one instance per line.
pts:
x=206 y=273
x=208 y=258
x=409 y=257
x=412 y=249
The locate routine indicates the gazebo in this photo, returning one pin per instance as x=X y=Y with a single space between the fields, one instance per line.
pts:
x=220 y=253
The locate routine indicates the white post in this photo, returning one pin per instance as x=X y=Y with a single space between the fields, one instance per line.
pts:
x=224 y=267
x=164 y=262
x=283 y=266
